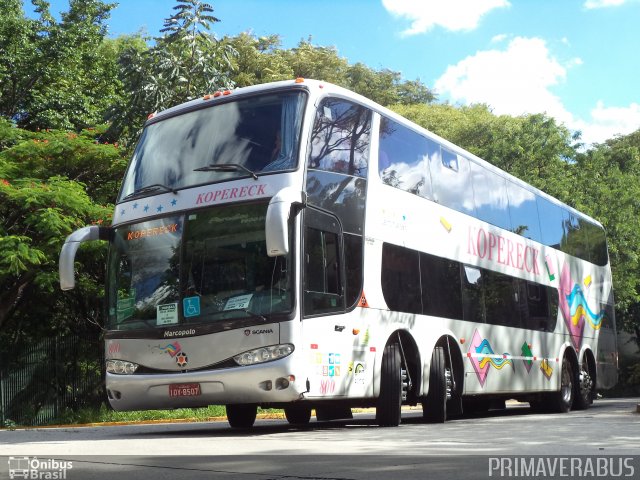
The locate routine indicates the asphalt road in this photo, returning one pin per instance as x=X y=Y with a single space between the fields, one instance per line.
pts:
x=487 y=446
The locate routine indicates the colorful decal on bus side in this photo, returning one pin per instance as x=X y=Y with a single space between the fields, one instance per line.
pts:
x=481 y=355
x=527 y=355
x=546 y=368
x=172 y=349
x=575 y=309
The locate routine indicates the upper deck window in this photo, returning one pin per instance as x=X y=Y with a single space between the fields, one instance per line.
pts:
x=340 y=138
x=258 y=134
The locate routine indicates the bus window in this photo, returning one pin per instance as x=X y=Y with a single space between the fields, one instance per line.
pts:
x=451 y=178
x=576 y=242
x=499 y=299
x=441 y=290
x=353 y=267
x=472 y=296
x=551 y=222
x=597 y=243
x=341 y=194
x=534 y=306
x=403 y=158
x=490 y=197
x=323 y=276
x=340 y=138
x=523 y=211
x=401 y=279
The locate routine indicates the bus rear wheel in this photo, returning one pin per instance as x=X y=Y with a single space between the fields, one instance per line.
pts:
x=585 y=386
x=389 y=405
x=562 y=400
x=434 y=408
x=241 y=416
x=298 y=414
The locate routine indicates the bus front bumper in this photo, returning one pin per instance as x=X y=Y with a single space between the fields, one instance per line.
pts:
x=271 y=382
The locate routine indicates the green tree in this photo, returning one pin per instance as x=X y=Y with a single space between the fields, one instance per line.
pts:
x=258 y=60
x=39 y=207
x=187 y=62
x=55 y=74
x=606 y=186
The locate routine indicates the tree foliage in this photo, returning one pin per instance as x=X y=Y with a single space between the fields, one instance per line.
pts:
x=55 y=74
x=51 y=183
x=187 y=62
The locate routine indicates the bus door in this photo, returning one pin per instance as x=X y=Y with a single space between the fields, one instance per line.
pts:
x=326 y=333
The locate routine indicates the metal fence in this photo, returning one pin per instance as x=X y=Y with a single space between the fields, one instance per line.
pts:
x=42 y=382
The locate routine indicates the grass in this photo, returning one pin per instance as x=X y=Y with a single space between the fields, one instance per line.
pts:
x=106 y=415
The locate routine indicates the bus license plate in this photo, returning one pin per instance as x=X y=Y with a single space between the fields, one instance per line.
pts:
x=184 y=390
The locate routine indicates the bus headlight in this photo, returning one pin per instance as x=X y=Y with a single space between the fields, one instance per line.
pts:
x=264 y=354
x=121 y=367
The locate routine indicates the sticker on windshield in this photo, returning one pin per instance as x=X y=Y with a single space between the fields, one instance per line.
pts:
x=240 y=302
x=167 y=314
x=191 y=306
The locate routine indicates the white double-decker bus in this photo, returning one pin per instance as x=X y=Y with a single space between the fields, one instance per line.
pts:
x=296 y=245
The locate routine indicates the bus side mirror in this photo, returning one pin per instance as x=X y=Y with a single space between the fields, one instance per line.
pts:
x=277 y=221
x=69 y=249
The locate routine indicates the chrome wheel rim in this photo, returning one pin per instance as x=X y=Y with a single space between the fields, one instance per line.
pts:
x=566 y=383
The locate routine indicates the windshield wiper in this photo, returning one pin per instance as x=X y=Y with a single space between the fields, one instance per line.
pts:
x=134 y=320
x=226 y=167
x=248 y=312
x=150 y=189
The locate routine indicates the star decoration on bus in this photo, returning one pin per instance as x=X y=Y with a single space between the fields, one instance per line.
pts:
x=182 y=359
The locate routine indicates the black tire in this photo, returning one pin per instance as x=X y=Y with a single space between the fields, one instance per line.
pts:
x=584 y=387
x=298 y=414
x=242 y=416
x=562 y=400
x=389 y=404
x=434 y=408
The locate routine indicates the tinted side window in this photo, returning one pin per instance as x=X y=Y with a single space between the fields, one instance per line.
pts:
x=441 y=290
x=451 y=179
x=472 y=294
x=490 y=196
x=343 y=195
x=499 y=299
x=523 y=211
x=551 y=223
x=575 y=242
x=353 y=267
x=597 y=244
x=535 y=305
x=322 y=264
x=403 y=158
x=340 y=138
x=401 y=279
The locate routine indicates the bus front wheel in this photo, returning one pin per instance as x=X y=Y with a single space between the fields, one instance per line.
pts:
x=241 y=416
x=298 y=414
x=389 y=406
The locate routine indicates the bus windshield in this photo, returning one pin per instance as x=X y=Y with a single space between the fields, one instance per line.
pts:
x=197 y=268
x=253 y=135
